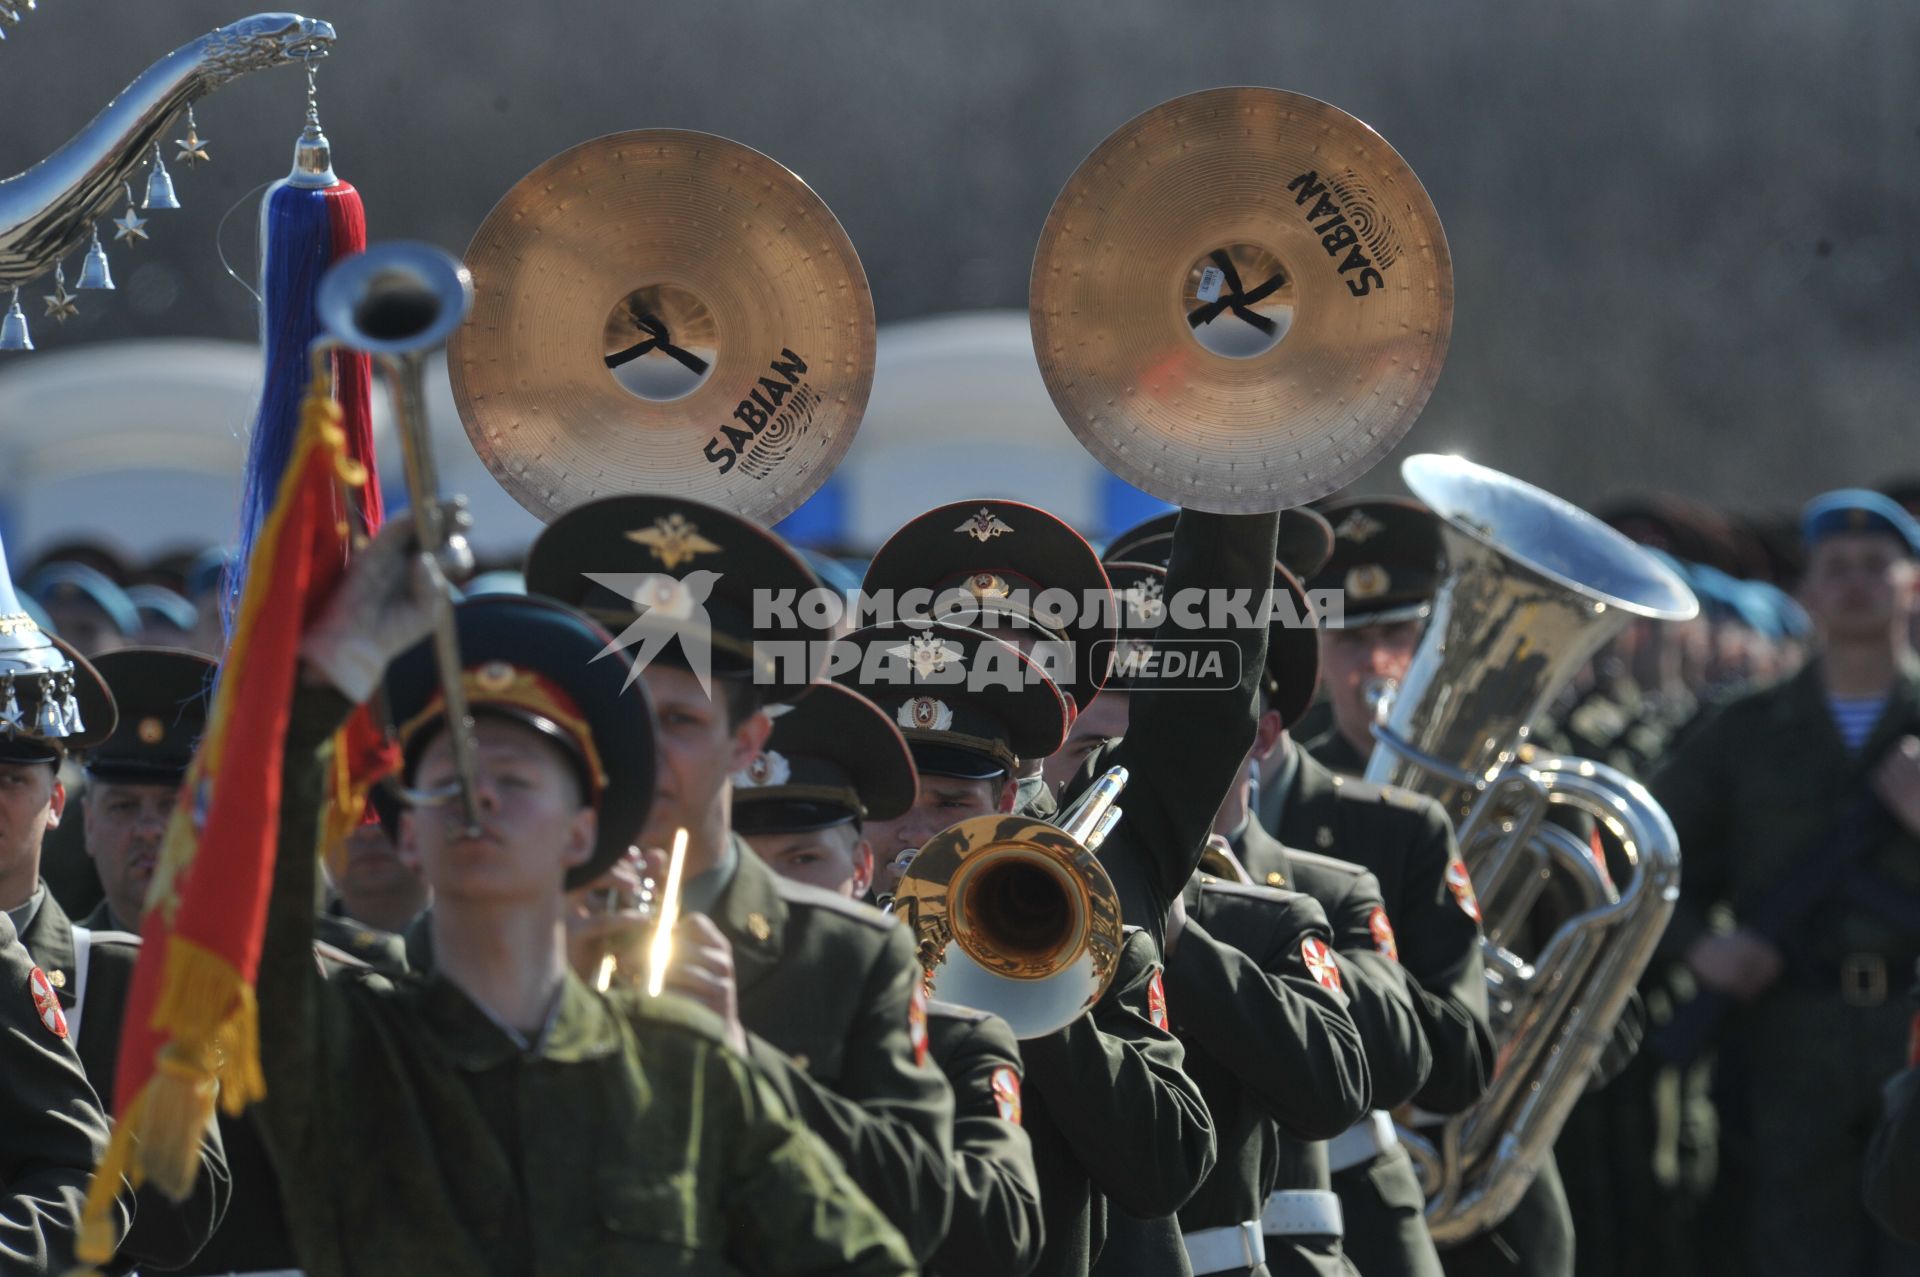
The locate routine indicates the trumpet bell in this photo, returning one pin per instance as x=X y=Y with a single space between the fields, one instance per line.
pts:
x=401 y=298
x=1016 y=917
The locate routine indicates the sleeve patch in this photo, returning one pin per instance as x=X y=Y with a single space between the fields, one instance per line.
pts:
x=1157 y=1002
x=1319 y=960
x=1462 y=888
x=1382 y=928
x=917 y=1022
x=46 y=1004
x=1006 y=1093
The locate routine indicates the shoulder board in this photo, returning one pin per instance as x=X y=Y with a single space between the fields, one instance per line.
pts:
x=1128 y=929
x=338 y=957
x=1356 y=790
x=1253 y=891
x=673 y=1010
x=805 y=895
x=115 y=940
x=954 y=1011
x=1328 y=864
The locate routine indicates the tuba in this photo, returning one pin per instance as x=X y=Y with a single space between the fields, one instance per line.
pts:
x=1015 y=916
x=1534 y=588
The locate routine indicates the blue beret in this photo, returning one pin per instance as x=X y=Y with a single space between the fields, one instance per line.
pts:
x=1858 y=510
x=66 y=579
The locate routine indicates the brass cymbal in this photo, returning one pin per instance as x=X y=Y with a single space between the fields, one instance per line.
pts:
x=663 y=311
x=1241 y=300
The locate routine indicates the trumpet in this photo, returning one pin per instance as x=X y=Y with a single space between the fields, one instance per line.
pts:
x=1016 y=916
x=398 y=303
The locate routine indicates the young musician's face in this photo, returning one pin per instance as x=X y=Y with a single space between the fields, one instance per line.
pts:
x=1352 y=658
x=696 y=752
x=943 y=801
x=125 y=826
x=31 y=800
x=838 y=859
x=534 y=827
x=1104 y=718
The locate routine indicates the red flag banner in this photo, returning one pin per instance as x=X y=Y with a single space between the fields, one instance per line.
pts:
x=191 y=1029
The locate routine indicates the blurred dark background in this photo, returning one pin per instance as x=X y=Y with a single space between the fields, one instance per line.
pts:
x=1684 y=231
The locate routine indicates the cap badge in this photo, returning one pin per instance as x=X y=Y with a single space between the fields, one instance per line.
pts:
x=925 y=713
x=1146 y=600
x=674 y=540
x=1368 y=581
x=984 y=526
x=494 y=677
x=769 y=768
x=152 y=731
x=1359 y=527
x=928 y=653
x=988 y=585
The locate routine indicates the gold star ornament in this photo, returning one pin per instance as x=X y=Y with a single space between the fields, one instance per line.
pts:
x=60 y=304
x=129 y=226
x=193 y=148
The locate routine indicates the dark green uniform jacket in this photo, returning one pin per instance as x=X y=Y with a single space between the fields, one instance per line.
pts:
x=1185 y=748
x=826 y=988
x=1117 y=1124
x=165 y=1234
x=1406 y=843
x=412 y=1134
x=52 y=1130
x=996 y=1225
x=1272 y=1048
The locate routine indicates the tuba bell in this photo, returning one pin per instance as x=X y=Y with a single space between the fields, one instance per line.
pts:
x=1015 y=916
x=1534 y=587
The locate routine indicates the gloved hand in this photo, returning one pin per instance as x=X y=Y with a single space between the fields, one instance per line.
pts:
x=382 y=607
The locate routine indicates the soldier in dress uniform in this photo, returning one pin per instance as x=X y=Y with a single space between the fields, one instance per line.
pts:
x=818 y=991
x=1798 y=806
x=834 y=762
x=52 y=1130
x=498 y=1115
x=1117 y=1126
x=57 y=703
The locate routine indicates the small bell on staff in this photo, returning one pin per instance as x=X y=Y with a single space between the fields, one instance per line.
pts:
x=11 y=720
x=48 y=722
x=93 y=271
x=159 y=184
x=70 y=708
x=14 y=336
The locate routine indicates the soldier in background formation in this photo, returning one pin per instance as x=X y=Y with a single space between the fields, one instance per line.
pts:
x=1322 y=965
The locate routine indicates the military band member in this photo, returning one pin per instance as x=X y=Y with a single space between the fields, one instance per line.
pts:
x=90 y=972
x=52 y=1130
x=818 y=991
x=1116 y=1124
x=1386 y=563
x=1798 y=808
x=833 y=762
x=497 y=1115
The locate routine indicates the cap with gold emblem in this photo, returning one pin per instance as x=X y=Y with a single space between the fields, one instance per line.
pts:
x=969 y=705
x=1293 y=653
x=1387 y=560
x=546 y=666
x=1009 y=568
x=678 y=580
x=163 y=694
x=1306 y=541
x=834 y=757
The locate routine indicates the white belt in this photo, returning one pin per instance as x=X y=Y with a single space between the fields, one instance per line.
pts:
x=1362 y=1142
x=1222 y=1250
x=1304 y=1212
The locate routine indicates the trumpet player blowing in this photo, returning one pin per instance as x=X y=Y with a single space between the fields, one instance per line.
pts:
x=1798 y=811
x=496 y=1115
x=821 y=993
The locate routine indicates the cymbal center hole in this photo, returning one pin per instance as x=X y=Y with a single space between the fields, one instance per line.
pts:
x=1237 y=301
x=660 y=343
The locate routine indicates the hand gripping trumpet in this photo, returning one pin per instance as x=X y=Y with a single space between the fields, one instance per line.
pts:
x=398 y=303
x=1016 y=916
